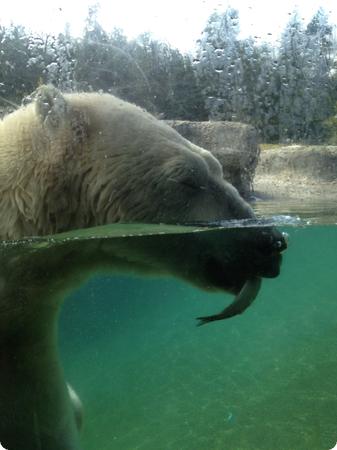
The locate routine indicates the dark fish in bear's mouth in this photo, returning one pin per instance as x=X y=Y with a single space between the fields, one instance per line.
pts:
x=270 y=246
x=245 y=298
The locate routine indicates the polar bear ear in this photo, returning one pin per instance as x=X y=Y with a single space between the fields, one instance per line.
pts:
x=50 y=106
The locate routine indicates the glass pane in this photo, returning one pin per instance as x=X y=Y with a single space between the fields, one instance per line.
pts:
x=162 y=162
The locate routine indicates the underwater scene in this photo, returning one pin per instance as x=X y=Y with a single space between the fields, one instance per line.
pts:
x=150 y=379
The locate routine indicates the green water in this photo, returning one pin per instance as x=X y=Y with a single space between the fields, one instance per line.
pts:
x=150 y=379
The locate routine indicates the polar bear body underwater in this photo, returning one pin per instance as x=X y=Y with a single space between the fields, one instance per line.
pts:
x=81 y=160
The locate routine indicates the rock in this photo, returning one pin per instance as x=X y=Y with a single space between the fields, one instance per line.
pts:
x=316 y=161
x=297 y=172
x=234 y=144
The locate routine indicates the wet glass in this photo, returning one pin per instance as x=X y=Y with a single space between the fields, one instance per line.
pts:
x=175 y=312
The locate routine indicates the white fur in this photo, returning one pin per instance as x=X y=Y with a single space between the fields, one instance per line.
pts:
x=82 y=160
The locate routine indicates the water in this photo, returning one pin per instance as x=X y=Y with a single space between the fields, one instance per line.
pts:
x=150 y=379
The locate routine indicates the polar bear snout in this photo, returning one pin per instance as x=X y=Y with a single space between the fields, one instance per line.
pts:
x=270 y=243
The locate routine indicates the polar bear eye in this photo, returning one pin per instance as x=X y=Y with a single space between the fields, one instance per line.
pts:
x=193 y=182
x=190 y=184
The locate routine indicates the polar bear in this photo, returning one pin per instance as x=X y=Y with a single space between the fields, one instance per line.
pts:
x=71 y=161
x=79 y=160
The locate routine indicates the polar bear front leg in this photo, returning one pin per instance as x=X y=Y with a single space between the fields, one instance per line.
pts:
x=36 y=411
x=77 y=407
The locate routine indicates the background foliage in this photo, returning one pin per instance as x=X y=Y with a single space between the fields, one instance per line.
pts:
x=287 y=90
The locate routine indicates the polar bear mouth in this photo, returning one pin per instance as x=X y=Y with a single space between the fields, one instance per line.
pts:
x=241 y=302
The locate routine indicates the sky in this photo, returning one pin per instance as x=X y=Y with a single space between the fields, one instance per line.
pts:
x=178 y=22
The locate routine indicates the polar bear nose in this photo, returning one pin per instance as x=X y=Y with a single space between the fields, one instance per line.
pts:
x=282 y=243
x=271 y=240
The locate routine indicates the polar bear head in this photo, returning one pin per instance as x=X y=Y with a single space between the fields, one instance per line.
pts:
x=78 y=160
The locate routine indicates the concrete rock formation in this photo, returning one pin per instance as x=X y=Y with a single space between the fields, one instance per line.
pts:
x=297 y=171
x=234 y=144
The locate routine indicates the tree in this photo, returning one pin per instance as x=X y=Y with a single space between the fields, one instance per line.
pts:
x=305 y=63
x=173 y=86
x=320 y=92
x=292 y=66
x=259 y=103
x=18 y=71
x=218 y=65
